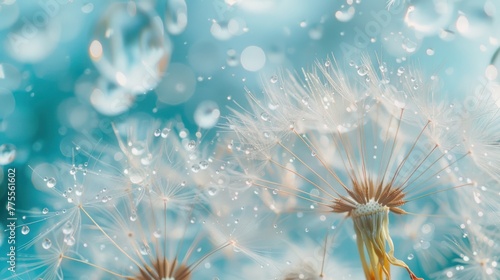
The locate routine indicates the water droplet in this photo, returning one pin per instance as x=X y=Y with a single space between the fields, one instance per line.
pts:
x=363 y=70
x=264 y=117
x=45 y=211
x=138 y=148
x=51 y=182
x=69 y=240
x=401 y=70
x=165 y=132
x=133 y=216
x=87 y=8
x=67 y=228
x=157 y=233
x=383 y=67
x=136 y=176
x=207 y=114
x=110 y=99
x=316 y=32
x=129 y=47
x=36 y=34
x=221 y=30
x=46 y=244
x=25 y=230
x=429 y=17
x=345 y=14
x=191 y=145
x=144 y=250
x=232 y=59
x=176 y=16
x=7 y=152
x=429 y=52
x=157 y=133
x=203 y=164
x=274 y=79
x=195 y=168
x=212 y=191
x=410 y=257
x=409 y=46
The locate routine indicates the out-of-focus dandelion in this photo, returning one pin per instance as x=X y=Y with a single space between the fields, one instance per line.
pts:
x=136 y=212
x=475 y=257
x=363 y=143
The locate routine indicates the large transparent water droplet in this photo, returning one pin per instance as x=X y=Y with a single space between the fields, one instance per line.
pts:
x=207 y=114
x=176 y=16
x=130 y=48
x=7 y=153
x=429 y=17
x=34 y=35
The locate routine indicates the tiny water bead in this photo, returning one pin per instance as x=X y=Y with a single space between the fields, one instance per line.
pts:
x=46 y=244
x=7 y=153
x=129 y=47
x=51 y=183
x=133 y=216
x=25 y=230
x=67 y=228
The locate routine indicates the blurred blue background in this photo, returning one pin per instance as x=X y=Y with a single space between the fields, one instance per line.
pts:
x=64 y=78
